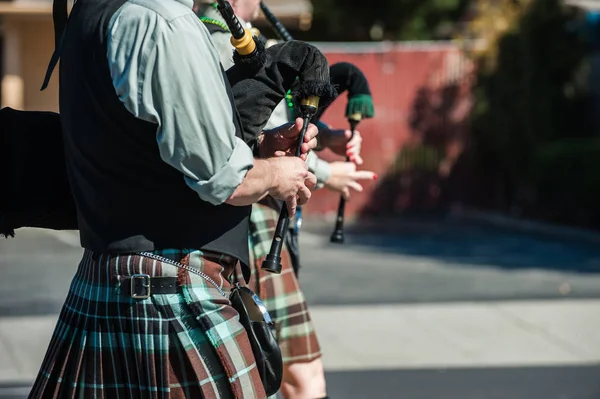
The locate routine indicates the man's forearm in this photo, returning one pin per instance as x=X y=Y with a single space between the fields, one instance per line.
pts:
x=255 y=186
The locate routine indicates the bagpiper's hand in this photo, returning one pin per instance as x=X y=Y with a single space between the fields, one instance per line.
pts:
x=342 y=142
x=292 y=181
x=344 y=177
x=283 y=141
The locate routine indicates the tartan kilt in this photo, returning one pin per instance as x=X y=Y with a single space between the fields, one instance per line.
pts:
x=188 y=344
x=281 y=293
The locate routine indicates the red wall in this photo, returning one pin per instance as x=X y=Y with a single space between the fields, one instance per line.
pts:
x=395 y=76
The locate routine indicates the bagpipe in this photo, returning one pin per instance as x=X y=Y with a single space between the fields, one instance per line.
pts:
x=36 y=191
x=344 y=77
x=347 y=77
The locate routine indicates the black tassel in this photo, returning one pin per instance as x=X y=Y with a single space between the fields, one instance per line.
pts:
x=252 y=63
x=312 y=87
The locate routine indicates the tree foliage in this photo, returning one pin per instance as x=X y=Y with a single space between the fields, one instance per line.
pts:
x=353 y=20
x=529 y=94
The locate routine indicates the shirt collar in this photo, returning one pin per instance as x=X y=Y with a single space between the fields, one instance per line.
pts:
x=187 y=3
x=211 y=12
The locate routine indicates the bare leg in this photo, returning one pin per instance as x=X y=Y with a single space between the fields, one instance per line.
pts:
x=304 y=380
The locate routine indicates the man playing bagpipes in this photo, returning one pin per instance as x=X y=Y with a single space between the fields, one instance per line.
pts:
x=303 y=375
x=162 y=173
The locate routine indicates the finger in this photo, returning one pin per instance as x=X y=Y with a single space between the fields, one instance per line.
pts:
x=355 y=140
x=303 y=195
x=291 y=206
x=307 y=147
x=355 y=186
x=354 y=145
x=363 y=175
x=357 y=159
x=298 y=124
x=354 y=150
x=310 y=181
x=291 y=133
x=280 y=153
x=346 y=193
x=311 y=132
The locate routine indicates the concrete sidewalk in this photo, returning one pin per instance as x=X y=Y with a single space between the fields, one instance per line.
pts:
x=467 y=335
x=416 y=336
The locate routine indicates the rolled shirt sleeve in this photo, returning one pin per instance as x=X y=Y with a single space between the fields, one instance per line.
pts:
x=165 y=69
x=320 y=168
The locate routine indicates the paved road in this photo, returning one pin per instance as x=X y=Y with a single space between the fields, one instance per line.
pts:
x=426 y=309
x=507 y=383
x=418 y=262
x=429 y=261
x=496 y=383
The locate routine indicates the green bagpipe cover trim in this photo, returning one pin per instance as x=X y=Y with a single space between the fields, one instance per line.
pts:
x=360 y=103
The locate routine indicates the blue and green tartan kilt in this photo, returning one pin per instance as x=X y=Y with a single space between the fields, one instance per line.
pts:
x=188 y=344
x=281 y=293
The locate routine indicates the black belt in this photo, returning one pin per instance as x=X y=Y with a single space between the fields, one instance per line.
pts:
x=141 y=286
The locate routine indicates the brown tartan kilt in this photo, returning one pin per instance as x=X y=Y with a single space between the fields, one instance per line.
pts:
x=281 y=293
x=189 y=344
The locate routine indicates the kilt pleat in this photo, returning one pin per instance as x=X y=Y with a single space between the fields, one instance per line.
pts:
x=281 y=293
x=189 y=344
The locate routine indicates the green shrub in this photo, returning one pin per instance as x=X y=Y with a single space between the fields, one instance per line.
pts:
x=566 y=177
x=532 y=97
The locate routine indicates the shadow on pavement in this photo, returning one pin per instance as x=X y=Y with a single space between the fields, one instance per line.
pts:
x=469 y=244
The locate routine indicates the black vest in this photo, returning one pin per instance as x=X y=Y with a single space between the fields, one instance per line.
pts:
x=128 y=198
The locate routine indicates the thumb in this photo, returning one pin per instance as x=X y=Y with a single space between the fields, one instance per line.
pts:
x=348 y=134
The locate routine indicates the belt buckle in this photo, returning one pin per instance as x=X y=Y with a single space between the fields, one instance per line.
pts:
x=144 y=284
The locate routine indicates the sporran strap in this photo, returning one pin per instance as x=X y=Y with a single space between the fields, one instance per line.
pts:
x=60 y=16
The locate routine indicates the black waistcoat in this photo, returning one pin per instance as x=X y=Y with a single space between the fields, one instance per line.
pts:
x=128 y=199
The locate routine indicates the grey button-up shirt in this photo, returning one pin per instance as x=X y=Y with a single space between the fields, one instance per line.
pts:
x=165 y=69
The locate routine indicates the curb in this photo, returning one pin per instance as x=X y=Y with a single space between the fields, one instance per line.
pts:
x=527 y=226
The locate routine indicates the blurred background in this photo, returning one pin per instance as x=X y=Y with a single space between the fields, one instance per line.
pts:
x=471 y=267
